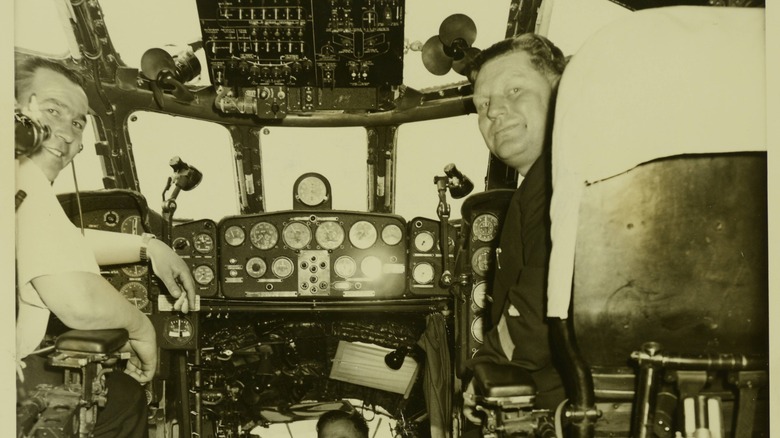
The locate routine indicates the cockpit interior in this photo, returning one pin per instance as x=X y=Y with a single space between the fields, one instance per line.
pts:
x=318 y=166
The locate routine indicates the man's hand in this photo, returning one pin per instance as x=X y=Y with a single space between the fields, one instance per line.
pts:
x=174 y=273
x=142 y=365
x=470 y=405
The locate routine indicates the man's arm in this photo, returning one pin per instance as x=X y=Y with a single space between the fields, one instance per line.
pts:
x=116 y=248
x=86 y=301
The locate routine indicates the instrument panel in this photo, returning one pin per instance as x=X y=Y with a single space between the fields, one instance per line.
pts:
x=341 y=43
x=331 y=254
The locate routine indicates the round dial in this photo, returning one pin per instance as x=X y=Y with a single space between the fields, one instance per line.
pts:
x=180 y=244
x=203 y=274
x=136 y=270
x=362 y=234
x=263 y=235
x=392 y=234
x=477 y=329
x=136 y=293
x=282 y=267
x=345 y=266
x=296 y=235
x=234 y=235
x=423 y=242
x=203 y=243
x=329 y=235
x=479 y=294
x=311 y=191
x=256 y=267
x=485 y=227
x=371 y=267
x=480 y=261
x=178 y=330
x=111 y=218
x=132 y=225
x=423 y=273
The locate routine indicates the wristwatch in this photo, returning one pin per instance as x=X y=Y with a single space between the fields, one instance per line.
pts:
x=145 y=238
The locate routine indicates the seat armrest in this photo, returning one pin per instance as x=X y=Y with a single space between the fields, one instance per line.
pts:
x=494 y=380
x=92 y=341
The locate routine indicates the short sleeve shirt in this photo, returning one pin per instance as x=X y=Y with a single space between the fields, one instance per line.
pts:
x=47 y=243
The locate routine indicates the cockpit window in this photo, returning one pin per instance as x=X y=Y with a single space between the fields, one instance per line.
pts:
x=339 y=154
x=156 y=138
x=31 y=16
x=423 y=151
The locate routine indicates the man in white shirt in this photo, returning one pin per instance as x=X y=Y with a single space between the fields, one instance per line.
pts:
x=57 y=266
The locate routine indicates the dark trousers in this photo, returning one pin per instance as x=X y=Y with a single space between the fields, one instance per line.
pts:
x=123 y=416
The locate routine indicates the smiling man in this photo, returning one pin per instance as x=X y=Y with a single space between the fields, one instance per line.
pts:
x=514 y=92
x=58 y=265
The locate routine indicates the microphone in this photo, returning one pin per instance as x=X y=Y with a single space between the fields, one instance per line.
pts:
x=29 y=134
x=186 y=177
x=460 y=185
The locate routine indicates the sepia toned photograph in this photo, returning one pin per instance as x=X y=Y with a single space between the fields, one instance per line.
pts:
x=390 y=219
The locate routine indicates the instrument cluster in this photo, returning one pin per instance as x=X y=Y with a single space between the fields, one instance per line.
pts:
x=312 y=254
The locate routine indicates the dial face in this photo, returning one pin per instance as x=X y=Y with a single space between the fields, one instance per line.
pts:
x=329 y=235
x=345 y=266
x=479 y=294
x=256 y=267
x=480 y=261
x=476 y=329
x=282 y=267
x=180 y=244
x=362 y=234
x=135 y=270
x=312 y=191
x=178 y=330
x=485 y=227
x=203 y=274
x=263 y=235
x=111 y=218
x=423 y=242
x=371 y=267
x=423 y=273
x=392 y=234
x=203 y=243
x=234 y=235
x=136 y=293
x=132 y=225
x=296 y=235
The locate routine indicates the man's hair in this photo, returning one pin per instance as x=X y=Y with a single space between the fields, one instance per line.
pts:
x=354 y=417
x=546 y=57
x=25 y=71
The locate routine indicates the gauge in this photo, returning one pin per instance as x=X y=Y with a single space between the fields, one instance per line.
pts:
x=178 y=330
x=256 y=267
x=180 y=244
x=422 y=273
x=312 y=191
x=234 y=235
x=132 y=225
x=203 y=274
x=203 y=243
x=136 y=270
x=479 y=294
x=480 y=261
x=371 y=267
x=485 y=227
x=345 y=266
x=296 y=235
x=136 y=293
x=362 y=234
x=263 y=235
x=282 y=267
x=423 y=242
x=329 y=235
x=477 y=329
x=111 y=218
x=392 y=234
